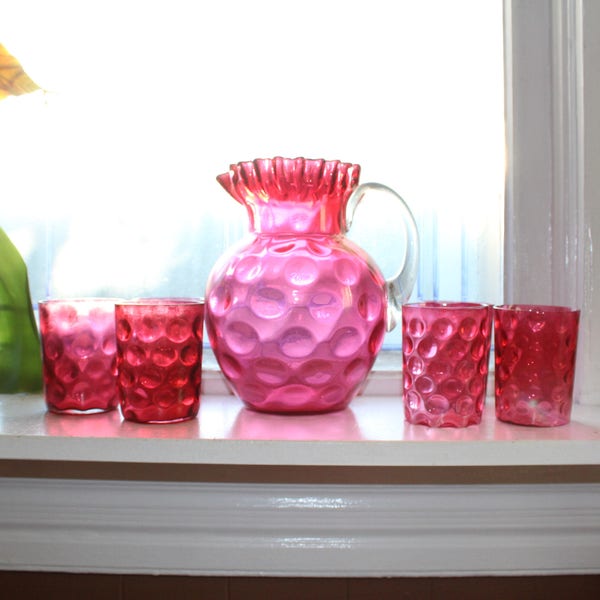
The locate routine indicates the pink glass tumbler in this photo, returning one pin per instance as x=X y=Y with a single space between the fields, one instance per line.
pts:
x=445 y=350
x=78 y=349
x=535 y=348
x=159 y=358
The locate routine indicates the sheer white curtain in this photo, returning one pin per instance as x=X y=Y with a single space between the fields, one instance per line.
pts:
x=108 y=180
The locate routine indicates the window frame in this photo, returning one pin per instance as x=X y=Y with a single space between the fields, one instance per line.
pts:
x=553 y=138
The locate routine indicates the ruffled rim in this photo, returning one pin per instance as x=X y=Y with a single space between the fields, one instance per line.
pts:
x=297 y=179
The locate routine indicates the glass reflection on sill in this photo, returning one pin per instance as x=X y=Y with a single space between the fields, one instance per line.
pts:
x=184 y=430
x=92 y=426
x=252 y=425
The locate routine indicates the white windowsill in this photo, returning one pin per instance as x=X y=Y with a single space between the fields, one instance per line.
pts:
x=353 y=493
x=370 y=433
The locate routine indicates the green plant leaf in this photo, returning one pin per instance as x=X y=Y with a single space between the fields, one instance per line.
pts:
x=20 y=352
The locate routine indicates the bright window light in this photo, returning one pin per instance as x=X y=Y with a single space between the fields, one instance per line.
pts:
x=108 y=177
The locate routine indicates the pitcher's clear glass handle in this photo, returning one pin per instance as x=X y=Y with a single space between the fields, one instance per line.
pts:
x=400 y=286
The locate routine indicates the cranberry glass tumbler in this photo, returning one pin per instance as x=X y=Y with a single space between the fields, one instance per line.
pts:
x=445 y=350
x=159 y=358
x=78 y=349
x=535 y=348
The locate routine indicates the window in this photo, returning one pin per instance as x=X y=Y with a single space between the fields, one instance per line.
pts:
x=109 y=177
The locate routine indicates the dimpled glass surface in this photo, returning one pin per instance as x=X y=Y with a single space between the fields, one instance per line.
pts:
x=159 y=358
x=78 y=348
x=535 y=349
x=296 y=315
x=445 y=349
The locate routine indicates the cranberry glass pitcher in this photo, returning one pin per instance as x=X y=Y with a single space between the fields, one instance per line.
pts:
x=297 y=315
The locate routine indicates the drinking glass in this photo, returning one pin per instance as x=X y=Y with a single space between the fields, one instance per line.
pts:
x=445 y=350
x=159 y=358
x=79 y=354
x=535 y=350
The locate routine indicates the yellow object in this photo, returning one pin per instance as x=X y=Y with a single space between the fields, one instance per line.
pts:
x=13 y=79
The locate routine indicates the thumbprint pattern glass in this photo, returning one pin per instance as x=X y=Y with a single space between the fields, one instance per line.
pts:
x=445 y=353
x=159 y=358
x=78 y=350
x=535 y=349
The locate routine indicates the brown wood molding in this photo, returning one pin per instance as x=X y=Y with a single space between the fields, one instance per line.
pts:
x=376 y=475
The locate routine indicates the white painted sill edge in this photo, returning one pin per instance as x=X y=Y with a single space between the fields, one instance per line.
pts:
x=297 y=527
x=370 y=433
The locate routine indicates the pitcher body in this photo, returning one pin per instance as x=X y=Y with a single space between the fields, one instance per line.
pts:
x=297 y=314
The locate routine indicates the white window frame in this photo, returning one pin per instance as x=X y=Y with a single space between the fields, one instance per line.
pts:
x=553 y=144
